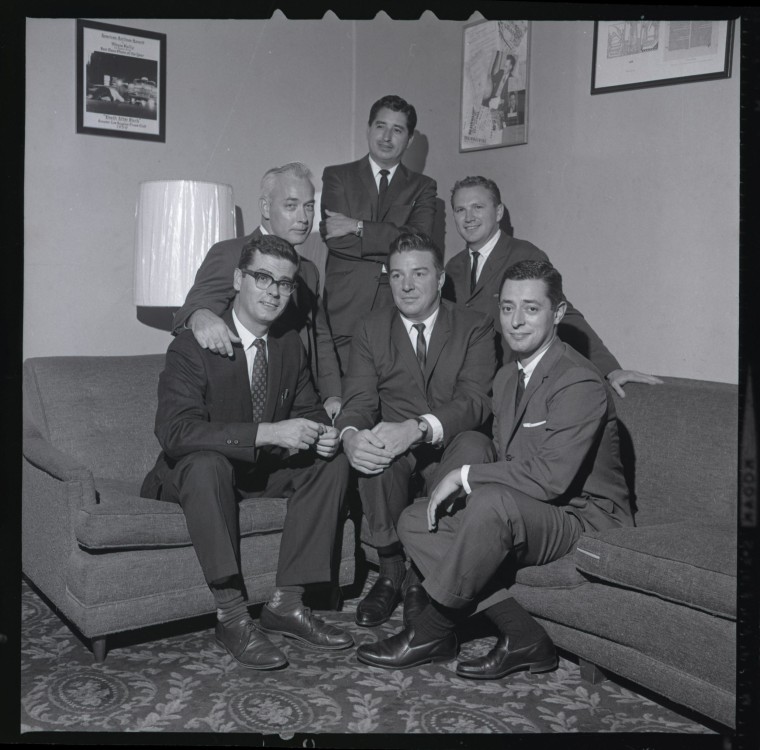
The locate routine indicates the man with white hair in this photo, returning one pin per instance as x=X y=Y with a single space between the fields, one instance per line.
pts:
x=287 y=211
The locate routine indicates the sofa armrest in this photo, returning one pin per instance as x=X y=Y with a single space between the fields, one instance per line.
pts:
x=59 y=465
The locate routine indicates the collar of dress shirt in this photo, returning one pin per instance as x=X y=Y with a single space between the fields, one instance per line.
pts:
x=263 y=229
x=485 y=251
x=376 y=171
x=429 y=323
x=531 y=366
x=246 y=337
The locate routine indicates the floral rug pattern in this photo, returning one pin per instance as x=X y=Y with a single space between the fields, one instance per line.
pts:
x=187 y=683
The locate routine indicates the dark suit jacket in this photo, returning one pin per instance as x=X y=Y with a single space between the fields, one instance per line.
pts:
x=354 y=264
x=384 y=380
x=574 y=328
x=213 y=290
x=560 y=445
x=204 y=401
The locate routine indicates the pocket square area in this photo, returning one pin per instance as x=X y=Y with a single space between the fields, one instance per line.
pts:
x=533 y=424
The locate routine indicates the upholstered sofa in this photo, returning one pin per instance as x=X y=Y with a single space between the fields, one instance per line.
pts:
x=656 y=604
x=107 y=559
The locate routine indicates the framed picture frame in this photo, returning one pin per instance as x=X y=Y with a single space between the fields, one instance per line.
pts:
x=121 y=81
x=639 y=54
x=495 y=84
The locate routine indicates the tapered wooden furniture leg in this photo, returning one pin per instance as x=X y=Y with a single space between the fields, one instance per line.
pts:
x=591 y=673
x=99 y=649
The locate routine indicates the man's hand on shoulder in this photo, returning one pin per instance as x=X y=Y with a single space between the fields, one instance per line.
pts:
x=211 y=332
x=337 y=225
x=366 y=452
x=618 y=378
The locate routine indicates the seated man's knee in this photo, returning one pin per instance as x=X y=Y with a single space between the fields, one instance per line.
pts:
x=413 y=520
x=473 y=447
x=206 y=463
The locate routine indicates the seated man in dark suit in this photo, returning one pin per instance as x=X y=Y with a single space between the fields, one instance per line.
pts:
x=419 y=374
x=287 y=211
x=552 y=473
x=473 y=275
x=366 y=204
x=243 y=426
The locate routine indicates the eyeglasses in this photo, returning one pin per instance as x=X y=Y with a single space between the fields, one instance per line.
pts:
x=263 y=281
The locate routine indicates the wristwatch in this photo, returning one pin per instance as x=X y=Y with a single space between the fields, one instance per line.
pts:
x=422 y=426
x=359 y=228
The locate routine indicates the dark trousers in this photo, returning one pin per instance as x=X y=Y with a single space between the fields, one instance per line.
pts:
x=461 y=558
x=385 y=496
x=208 y=487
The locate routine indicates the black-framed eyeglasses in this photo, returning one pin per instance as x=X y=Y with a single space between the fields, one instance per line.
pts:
x=263 y=281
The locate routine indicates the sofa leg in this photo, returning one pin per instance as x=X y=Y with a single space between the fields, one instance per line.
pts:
x=590 y=672
x=99 y=649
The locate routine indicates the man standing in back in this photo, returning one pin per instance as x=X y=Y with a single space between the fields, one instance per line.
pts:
x=473 y=276
x=366 y=204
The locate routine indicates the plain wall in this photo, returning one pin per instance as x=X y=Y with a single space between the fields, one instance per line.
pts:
x=634 y=195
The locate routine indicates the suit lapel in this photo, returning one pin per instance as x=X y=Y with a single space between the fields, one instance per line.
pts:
x=437 y=341
x=540 y=374
x=401 y=341
x=242 y=381
x=369 y=184
x=395 y=186
x=274 y=376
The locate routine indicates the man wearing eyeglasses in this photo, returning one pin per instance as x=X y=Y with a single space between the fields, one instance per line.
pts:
x=287 y=211
x=248 y=425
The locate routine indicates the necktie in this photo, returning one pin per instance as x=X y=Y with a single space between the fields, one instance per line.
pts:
x=520 y=386
x=474 y=270
x=382 y=190
x=259 y=380
x=421 y=344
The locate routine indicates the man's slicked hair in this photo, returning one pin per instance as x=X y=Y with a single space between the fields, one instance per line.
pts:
x=477 y=181
x=268 y=244
x=417 y=241
x=395 y=104
x=294 y=169
x=527 y=270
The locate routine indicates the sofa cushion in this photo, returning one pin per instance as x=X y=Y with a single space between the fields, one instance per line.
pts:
x=690 y=563
x=123 y=520
x=561 y=573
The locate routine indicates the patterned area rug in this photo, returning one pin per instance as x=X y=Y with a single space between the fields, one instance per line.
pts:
x=184 y=682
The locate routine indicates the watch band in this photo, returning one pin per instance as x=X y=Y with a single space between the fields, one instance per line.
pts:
x=359 y=228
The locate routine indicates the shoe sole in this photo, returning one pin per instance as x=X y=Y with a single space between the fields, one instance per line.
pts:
x=374 y=623
x=418 y=663
x=535 y=667
x=305 y=641
x=251 y=666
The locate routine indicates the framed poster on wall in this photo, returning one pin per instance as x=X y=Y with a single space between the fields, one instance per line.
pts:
x=640 y=54
x=121 y=81
x=495 y=84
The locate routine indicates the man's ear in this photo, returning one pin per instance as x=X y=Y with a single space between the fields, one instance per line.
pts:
x=559 y=313
x=264 y=207
x=441 y=280
x=499 y=212
x=237 y=279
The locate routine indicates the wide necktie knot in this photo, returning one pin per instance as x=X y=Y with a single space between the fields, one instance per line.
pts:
x=421 y=344
x=259 y=380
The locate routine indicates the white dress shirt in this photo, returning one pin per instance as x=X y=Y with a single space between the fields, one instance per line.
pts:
x=247 y=339
x=484 y=252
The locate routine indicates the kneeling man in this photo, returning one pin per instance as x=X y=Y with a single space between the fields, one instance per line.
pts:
x=557 y=474
x=246 y=426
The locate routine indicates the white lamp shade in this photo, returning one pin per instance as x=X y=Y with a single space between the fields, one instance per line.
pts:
x=177 y=221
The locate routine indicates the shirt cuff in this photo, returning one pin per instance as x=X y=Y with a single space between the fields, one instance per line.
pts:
x=465 y=472
x=343 y=431
x=437 y=428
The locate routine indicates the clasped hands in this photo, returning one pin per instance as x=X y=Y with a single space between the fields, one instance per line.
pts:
x=372 y=451
x=299 y=434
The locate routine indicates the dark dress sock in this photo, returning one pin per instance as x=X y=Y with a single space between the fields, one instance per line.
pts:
x=393 y=566
x=434 y=623
x=230 y=602
x=512 y=620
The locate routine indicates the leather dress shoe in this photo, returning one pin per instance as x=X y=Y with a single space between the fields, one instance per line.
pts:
x=247 y=646
x=397 y=652
x=377 y=607
x=415 y=600
x=305 y=627
x=502 y=660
